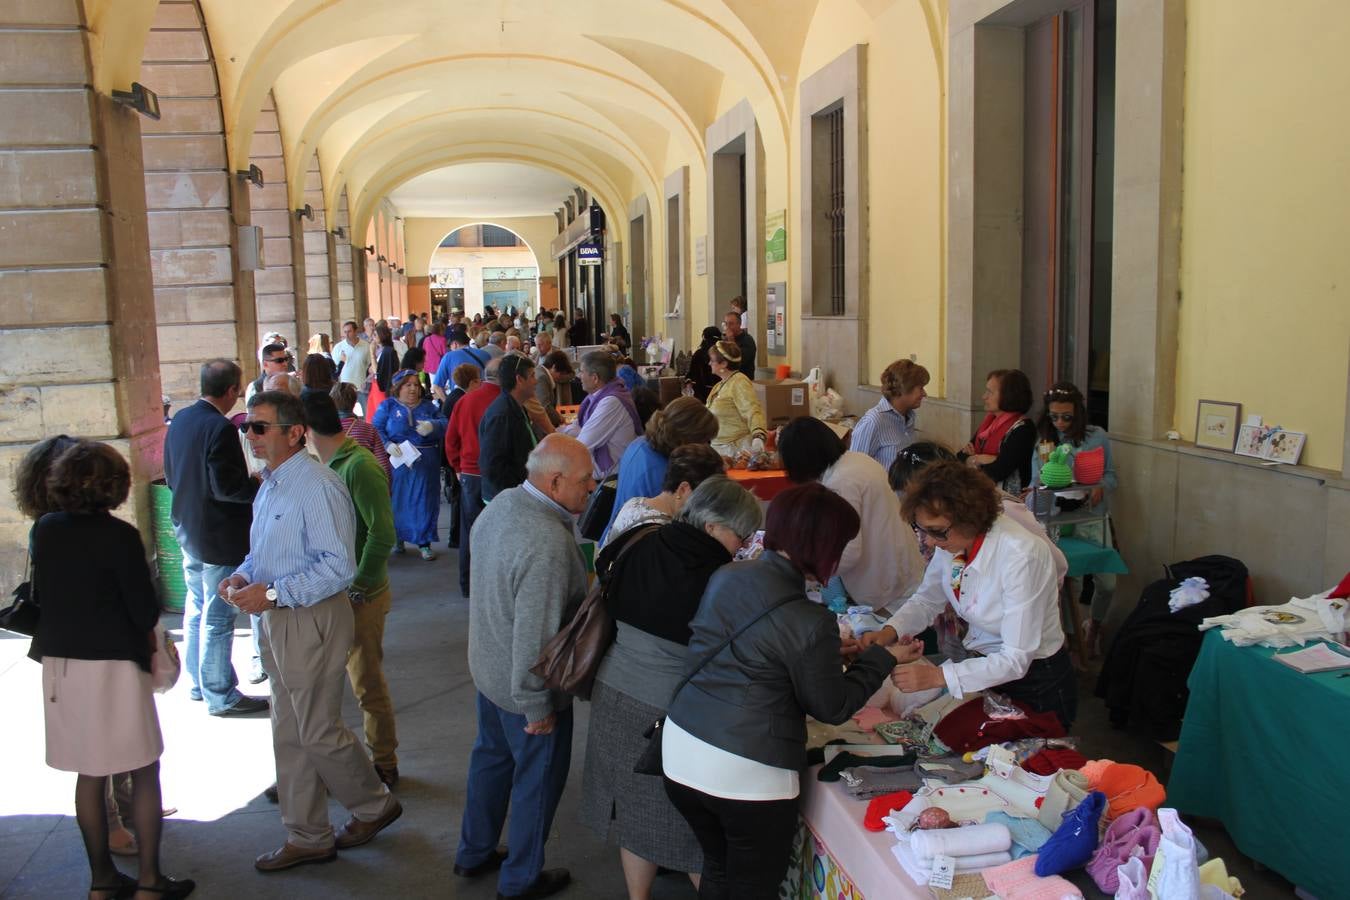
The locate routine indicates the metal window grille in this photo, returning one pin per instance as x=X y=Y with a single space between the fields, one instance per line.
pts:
x=835 y=214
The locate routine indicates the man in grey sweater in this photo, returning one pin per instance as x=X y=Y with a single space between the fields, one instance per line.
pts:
x=524 y=745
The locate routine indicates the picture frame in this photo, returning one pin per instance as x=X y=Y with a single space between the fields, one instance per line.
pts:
x=1273 y=444
x=1216 y=424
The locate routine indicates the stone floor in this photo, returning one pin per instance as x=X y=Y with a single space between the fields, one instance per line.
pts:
x=214 y=772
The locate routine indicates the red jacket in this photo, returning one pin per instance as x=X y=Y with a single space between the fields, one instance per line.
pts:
x=461 y=435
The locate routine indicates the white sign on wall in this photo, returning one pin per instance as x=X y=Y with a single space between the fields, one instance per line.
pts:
x=701 y=255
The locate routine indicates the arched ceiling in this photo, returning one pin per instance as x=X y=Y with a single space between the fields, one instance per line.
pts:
x=606 y=90
x=609 y=95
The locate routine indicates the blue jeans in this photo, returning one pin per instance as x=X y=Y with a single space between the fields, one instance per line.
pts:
x=526 y=772
x=470 y=506
x=208 y=634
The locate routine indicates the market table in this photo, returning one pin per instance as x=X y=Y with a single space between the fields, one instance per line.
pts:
x=763 y=483
x=1261 y=749
x=837 y=857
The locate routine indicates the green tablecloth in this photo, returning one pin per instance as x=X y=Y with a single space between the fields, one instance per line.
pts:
x=1087 y=557
x=1263 y=749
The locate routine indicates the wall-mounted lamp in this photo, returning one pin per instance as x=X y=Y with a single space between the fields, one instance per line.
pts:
x=306 y=213
x=252 y=174
x=369 y=248
x=139 y=98
x=381 y=258
x=400 y=270
x=339 y=232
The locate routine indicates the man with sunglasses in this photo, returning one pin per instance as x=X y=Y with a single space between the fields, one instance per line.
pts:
x=275 y=361
x=212 y=510
x=301 y=560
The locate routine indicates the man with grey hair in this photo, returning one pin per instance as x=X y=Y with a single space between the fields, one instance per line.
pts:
x=496 y=344
x=212 y=511
x=524 y=745
x=608 y=421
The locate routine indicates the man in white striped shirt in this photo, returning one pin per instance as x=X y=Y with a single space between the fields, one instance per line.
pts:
x=889 y=427
x=302 y=557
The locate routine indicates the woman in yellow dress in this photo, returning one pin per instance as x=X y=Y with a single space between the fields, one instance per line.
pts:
x=740 y=418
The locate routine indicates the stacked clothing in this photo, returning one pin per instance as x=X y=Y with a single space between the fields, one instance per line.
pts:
x=1126 y=787
x=1292 y=624
x=972 y=847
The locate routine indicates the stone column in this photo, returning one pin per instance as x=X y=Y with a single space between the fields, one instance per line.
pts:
x=77 y=315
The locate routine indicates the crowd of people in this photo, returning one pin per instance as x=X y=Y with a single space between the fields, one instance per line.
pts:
x=290 y=511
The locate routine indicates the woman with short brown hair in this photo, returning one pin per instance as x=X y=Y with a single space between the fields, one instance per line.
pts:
x=1000 y=579
x=96 y=639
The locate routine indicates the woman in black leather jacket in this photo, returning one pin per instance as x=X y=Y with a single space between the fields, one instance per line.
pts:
x=735 y=735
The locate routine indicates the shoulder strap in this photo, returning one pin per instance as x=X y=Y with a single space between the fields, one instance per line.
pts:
x=629 y=540
x=725 y=643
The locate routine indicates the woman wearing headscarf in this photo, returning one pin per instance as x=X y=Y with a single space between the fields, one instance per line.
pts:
x=408 y=417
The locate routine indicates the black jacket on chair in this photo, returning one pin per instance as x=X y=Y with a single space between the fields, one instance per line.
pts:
x=752 y=699
x=212 y=490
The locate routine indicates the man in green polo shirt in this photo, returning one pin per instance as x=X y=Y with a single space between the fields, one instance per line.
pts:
x=369 y=486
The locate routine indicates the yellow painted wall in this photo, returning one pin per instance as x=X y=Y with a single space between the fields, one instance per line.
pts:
x=1265 y=273
x=905 y=148
x=422 y=236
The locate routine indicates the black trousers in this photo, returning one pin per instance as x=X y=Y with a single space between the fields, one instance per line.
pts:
x=746 y=843
x=1050 y=685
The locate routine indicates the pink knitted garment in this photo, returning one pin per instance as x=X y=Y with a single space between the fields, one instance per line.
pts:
x=1017 y=880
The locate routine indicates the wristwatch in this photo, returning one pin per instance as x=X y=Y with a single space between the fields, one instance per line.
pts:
x=272 y=594
x=355 y=596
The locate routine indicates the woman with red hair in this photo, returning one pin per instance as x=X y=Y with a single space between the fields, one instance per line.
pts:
x=763 y=658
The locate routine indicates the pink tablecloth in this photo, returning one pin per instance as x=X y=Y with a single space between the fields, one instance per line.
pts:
x=864 y=856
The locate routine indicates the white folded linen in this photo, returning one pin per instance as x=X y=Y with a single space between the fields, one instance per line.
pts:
x=968 y=840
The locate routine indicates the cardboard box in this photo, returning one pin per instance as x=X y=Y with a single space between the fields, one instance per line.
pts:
x=784 y=400
x=671 y=388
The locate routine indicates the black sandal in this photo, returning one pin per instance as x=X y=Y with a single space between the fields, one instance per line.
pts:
x=172 y=888
x=125 y=887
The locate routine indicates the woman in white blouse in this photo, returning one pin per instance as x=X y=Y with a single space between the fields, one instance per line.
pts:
x=1001 y=581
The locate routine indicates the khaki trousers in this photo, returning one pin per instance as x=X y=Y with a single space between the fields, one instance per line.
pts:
x=365 y=670
x=304 y=651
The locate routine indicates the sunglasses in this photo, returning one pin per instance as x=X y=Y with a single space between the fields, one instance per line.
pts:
x=277 y=359
x=261 y=427
x=1061 y=417
x=937 y=534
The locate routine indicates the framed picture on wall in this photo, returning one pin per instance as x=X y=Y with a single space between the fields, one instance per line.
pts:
x=1216 y=424
x=1273 y=444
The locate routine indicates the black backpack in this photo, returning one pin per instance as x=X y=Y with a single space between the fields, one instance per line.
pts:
x=1143 y=679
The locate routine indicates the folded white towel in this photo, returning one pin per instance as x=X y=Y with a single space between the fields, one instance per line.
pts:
x=968 y=840
x=920 y=871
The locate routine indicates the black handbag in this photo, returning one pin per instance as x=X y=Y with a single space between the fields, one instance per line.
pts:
x=649 y=763
x=599 y=509
x=21 y=616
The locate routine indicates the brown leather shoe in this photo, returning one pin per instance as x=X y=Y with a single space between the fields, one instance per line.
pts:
x=289 y=856
x=355 y=832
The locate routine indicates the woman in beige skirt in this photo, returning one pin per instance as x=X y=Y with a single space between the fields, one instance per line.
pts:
x=95 y=640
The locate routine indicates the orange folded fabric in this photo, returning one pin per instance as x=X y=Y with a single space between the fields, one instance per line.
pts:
x=1127 y=787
